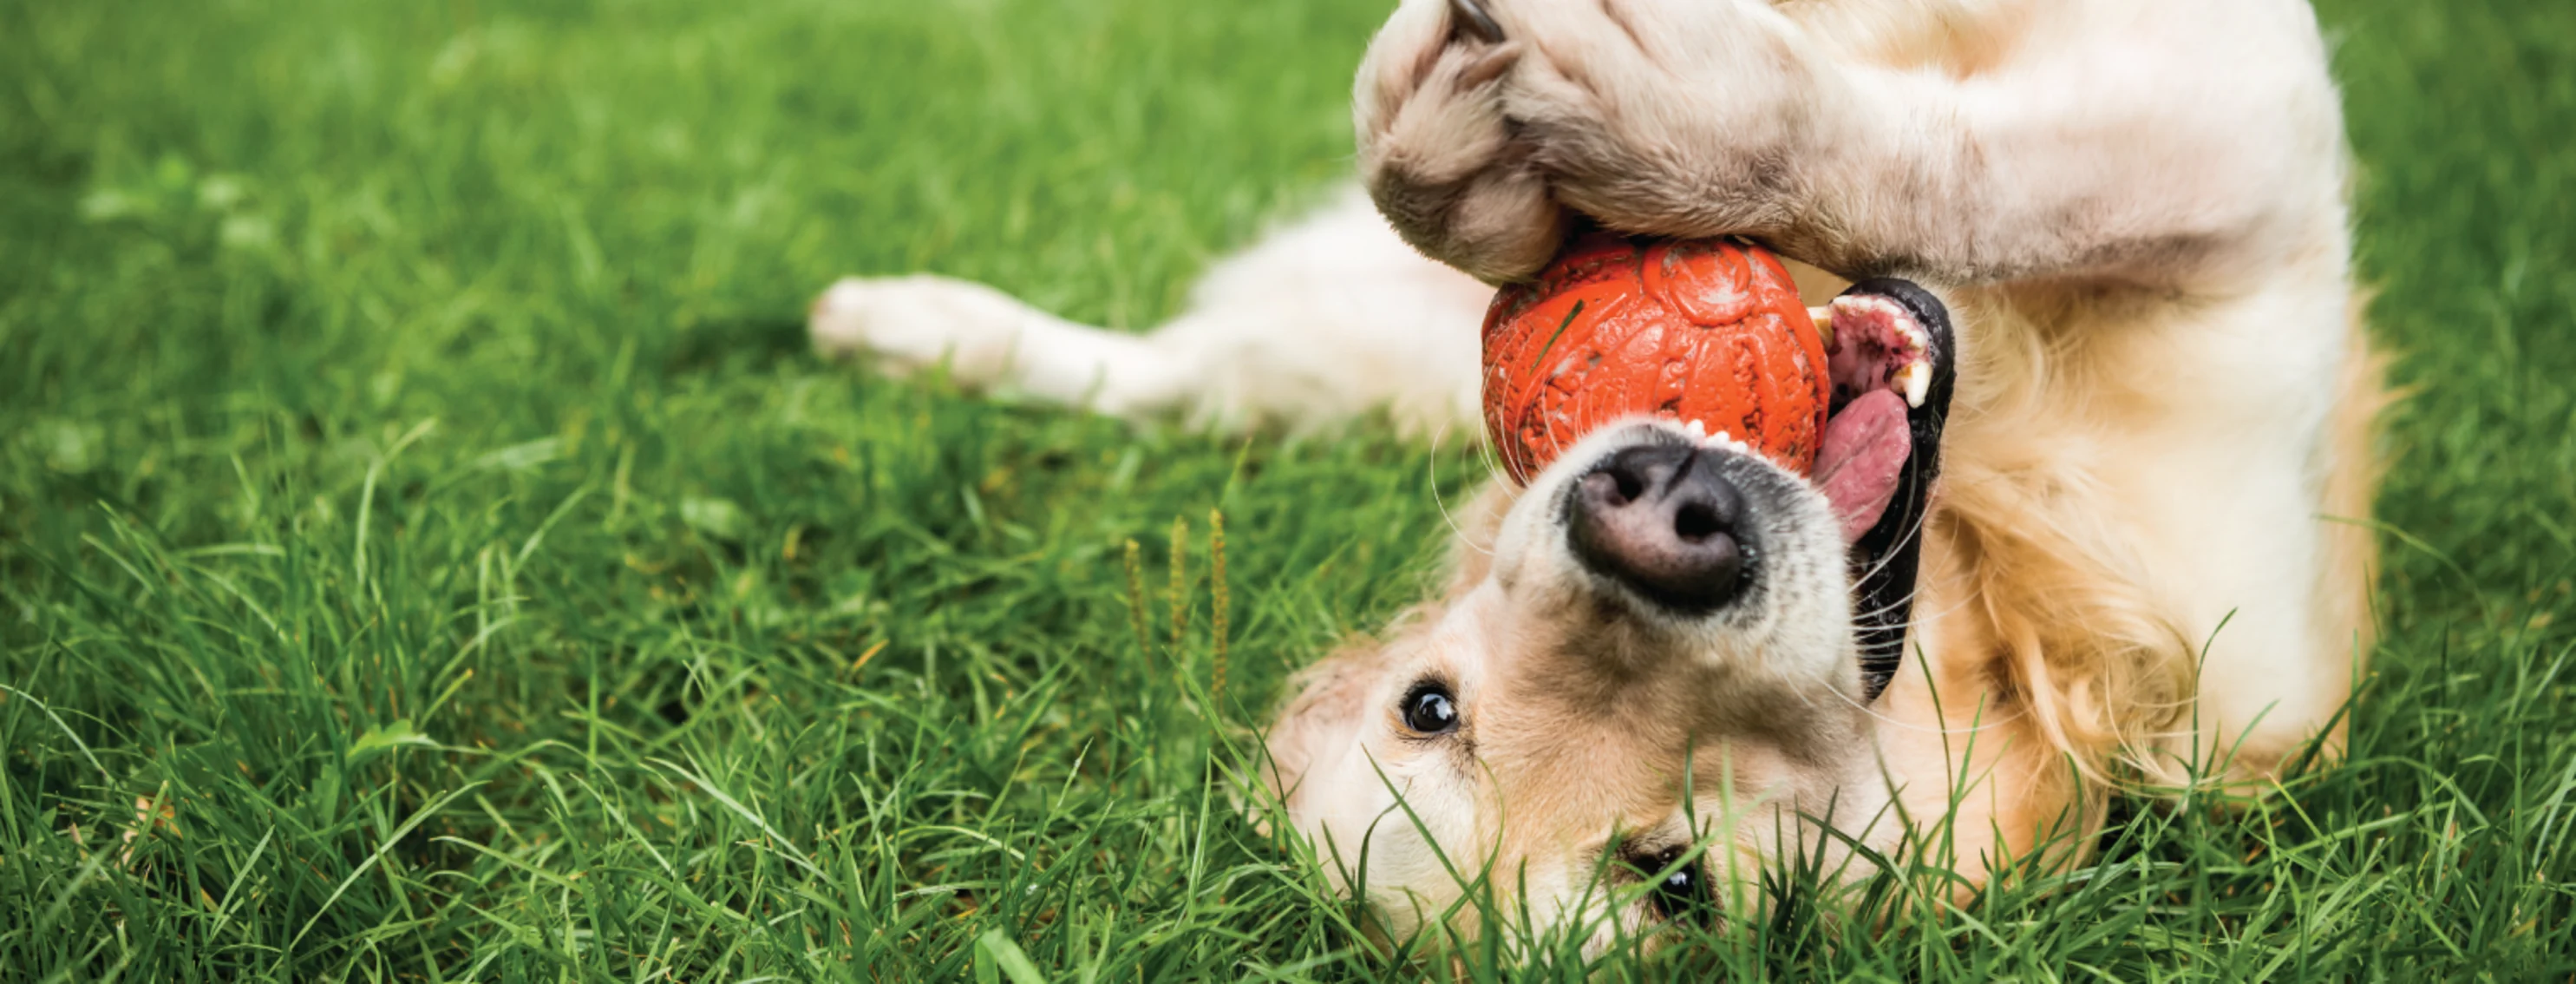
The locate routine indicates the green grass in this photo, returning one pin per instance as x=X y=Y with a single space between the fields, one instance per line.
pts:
x=412 y=480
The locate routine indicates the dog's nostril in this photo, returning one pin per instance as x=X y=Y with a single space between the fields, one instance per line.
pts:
x=1628 y=483
x=1614 y=487
x=1695 y=522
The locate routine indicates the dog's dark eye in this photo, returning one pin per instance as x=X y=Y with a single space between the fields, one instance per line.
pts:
x=1680 y=892
x=1429 y=709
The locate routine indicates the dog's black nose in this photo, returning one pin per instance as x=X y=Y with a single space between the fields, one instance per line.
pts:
x=1662 y=520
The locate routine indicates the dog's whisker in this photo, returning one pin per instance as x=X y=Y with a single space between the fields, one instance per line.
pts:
x=1486 y=456
x=1902 y=725
x=1914 y=526
x=1433 y=464
x=1913 y=623
x=1954 y=608
x=1882 y=611
x=1878 y=565
x=1891 y=607
x=1914 y=523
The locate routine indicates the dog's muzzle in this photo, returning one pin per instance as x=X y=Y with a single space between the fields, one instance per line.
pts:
x=1663 y=520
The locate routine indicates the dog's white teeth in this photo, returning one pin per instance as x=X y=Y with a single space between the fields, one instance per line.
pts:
x=1862 y=304
x=1902 y=338
x=1916 y=339
x=1697 y=430
x=1915 y=381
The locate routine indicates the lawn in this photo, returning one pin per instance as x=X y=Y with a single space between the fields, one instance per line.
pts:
x=428 y=553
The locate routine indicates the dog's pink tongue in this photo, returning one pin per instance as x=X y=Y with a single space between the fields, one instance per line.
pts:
x=1862 y=455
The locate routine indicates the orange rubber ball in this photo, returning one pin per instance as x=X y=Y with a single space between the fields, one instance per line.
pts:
x=1707 y=330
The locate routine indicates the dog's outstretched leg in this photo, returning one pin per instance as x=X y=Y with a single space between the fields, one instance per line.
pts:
x=988 y=338
x=1320 y=321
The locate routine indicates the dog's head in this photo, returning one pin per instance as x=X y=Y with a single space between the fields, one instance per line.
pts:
x=1655 y=659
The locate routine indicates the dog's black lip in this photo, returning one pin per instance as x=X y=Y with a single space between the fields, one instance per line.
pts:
x=1886 y=559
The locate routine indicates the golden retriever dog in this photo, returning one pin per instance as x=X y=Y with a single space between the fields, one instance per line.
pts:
x=1662 y=662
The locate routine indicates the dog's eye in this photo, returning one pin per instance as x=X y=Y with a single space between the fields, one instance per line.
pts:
x=1429 y=709
x=1680 y=892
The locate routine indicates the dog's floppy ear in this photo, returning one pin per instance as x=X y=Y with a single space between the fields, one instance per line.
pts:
x=1321 y=717
x=1322 y=714
x=1884 y=558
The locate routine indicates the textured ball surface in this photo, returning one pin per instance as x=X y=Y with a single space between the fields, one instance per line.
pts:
x=1704 y=330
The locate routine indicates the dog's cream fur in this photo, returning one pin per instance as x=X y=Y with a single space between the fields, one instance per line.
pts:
x=2136 y=211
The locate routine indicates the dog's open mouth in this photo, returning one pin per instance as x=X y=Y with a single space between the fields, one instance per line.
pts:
x=1878 y=344
x=1880 y=358
x=1892 y=358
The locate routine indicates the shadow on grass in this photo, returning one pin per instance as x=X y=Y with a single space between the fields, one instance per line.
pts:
x=736 y=344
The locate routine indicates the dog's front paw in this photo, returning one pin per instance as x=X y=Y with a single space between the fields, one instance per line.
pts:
x=911 y=323
x=1439 y=156
x=1673 y=117
x=1480 y=136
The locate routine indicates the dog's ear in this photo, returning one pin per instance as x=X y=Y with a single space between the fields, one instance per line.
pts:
x=1322 y=715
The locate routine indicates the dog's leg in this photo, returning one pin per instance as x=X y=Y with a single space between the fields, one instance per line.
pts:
x=987 y=338
x=1323 y=320
x=2155 y=143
